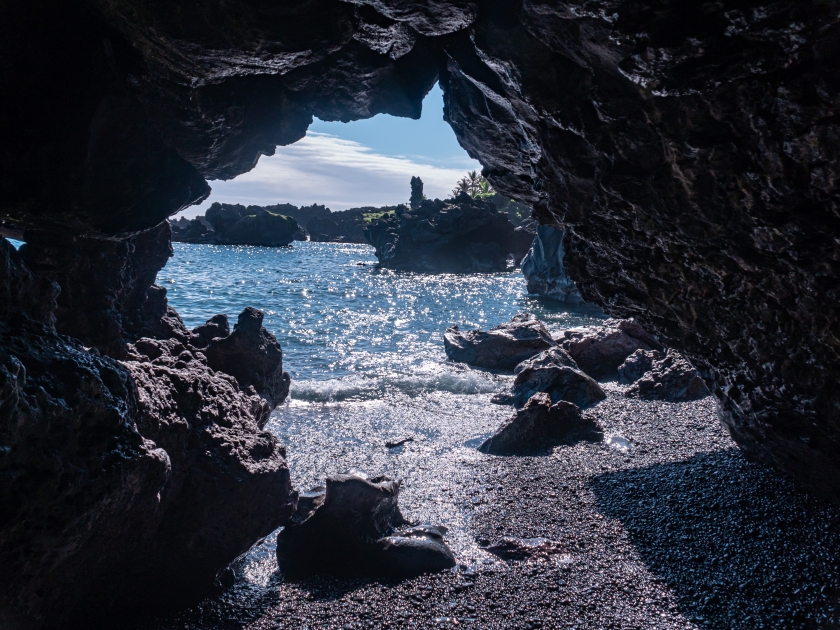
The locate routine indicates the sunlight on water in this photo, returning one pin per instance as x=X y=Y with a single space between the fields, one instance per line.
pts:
x=364 y=347
x=348 y=329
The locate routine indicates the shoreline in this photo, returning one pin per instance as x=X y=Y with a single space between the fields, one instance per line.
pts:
x=679 y=532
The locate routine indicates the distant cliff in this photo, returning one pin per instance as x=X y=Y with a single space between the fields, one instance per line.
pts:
x=229 y=224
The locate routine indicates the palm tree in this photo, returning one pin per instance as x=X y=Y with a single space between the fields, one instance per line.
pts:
x=474 y=184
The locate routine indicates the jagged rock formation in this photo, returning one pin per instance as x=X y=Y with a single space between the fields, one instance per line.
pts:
x=670 y=378
x=600 y=350
x=538 y=425
x=543 y=266
x=460 y=235
x=687 y=148
x=125 y=482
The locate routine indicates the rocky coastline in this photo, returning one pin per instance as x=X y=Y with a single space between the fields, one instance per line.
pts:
x=460 y=235
x=689 y=152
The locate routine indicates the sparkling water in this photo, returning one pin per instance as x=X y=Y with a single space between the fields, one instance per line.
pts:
x=364 y=347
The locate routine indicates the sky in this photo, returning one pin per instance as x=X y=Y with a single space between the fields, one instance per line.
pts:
x=363 y=163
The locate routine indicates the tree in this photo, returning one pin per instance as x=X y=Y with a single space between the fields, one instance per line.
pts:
x=417 y=195
x=474 y=184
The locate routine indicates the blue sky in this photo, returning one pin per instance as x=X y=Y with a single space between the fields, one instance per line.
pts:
x=362 y=163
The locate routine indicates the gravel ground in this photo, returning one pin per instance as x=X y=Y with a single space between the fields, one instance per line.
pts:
x=663 y=524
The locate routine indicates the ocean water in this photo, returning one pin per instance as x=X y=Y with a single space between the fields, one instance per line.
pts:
x=364 y=347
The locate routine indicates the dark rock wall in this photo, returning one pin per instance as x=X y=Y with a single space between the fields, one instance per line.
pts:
x=124 y=486
x=688 y=148
x=107 y=296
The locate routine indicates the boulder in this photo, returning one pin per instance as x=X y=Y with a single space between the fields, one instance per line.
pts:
x=543 y=267
x=537 y=426
x=637 y=365
x=252 y=355
x=503 y=347
x=461 y=235
x=554 y=372
x=672 y=379
x=351 y=526
x=216 y=326
x=416 y=550
x=600 y=350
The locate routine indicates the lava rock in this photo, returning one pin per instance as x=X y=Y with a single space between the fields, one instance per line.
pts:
x=600 y=350
x=463 y=235
x=215 y=327
x=252 y=355
x=538 y=425
x=350 y=526
x=543 y=267
x=673 y=379
x=120 y=461
x=503 y=347
x=416 y=550
x=637 y=365
x=555 y=373
x=108 y=297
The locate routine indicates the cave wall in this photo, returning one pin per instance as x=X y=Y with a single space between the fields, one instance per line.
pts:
x=689 y=149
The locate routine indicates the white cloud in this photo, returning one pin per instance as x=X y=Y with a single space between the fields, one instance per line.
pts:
x=338 y=173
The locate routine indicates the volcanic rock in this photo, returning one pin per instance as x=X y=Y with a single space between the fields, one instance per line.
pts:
x=503 y=347
x=637 y=365
x=108 y=297
x=554 y=372
x=216 y=326
x=349 y=526
x=537 y=426
x=543 y=266
x=238 y=225
x=120 y=462
x=252 y=355
x=600 y=350
x=464 y=235
x=671 y=378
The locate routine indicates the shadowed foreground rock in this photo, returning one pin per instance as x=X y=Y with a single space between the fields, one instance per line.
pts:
x=351 y=526
x=124 y=482
x=503 y=347
x=539 y=425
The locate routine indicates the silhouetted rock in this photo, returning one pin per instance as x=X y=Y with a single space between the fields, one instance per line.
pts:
x=503 y=347
x=350 y=526
x=671 y=378
x=537 y=426
x=599 y=350
x=554 y=372
x=543 y=266
x=463 y=235
x=252 y=355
